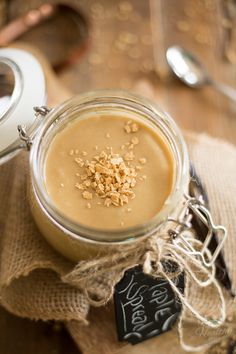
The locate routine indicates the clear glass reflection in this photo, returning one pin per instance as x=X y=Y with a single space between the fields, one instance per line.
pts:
x=7 y=85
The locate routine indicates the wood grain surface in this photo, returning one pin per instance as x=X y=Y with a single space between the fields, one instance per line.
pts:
x=121 y=55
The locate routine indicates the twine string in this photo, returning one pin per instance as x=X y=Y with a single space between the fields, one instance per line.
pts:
x=98 y=277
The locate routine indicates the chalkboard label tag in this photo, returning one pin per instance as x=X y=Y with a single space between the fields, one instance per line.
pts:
x=145 y=307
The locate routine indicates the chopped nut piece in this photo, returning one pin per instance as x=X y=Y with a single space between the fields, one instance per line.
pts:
x=95 y=147
x=84 y=153
x=62 y=185
x=144 y=176
x=135 y=140
x=108 y=135
x=89 y=205
x=131 y=146
x=129 y=210
x=124 y=199
x=138 y=168
x=94 y=185
x=129 y=156
x=79 y=186
x=134 y=128
x=79 y=161
x=142 y=160
x=83 y=177
x=71 y=153
x=91 y=169
x=100 y=188
x=107 y=202
x=127 y=129
x=87 y=183
x=87 y=195
x=114 y=198
x=117 y=161
x=122 y=147
x=133 y=182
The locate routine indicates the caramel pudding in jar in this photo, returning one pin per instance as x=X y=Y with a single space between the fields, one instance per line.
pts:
x=109 y=171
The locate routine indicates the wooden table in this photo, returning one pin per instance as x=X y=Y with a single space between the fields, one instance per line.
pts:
x=121 y=56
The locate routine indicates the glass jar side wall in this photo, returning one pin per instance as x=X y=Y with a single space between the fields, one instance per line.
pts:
x=97 y=101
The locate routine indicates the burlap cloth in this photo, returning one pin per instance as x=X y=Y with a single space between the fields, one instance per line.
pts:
x=31 y=271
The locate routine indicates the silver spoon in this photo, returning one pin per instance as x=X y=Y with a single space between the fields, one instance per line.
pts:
x=189 y=70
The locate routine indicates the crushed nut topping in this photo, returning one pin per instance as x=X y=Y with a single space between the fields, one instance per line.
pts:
x=110 y=176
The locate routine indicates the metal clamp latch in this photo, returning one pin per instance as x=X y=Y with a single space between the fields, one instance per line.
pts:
x=184 y=222
x=24 y=136
x=42 y=111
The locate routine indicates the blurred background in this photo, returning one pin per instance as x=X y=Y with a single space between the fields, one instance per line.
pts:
x=102 y=44
x=92 y=44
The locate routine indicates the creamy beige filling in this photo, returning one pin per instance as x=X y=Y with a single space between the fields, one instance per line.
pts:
x=109 y=171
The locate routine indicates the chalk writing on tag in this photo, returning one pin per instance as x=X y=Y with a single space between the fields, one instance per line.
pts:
x=145 y=306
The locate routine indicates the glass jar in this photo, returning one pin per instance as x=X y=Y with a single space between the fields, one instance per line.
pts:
x=76 y=241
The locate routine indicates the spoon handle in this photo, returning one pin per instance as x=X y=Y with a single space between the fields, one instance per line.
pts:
x=228 y=91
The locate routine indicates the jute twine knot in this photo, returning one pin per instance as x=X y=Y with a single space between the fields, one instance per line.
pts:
x=157 y=255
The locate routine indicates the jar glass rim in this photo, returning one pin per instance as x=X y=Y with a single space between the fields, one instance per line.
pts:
x=99 y=99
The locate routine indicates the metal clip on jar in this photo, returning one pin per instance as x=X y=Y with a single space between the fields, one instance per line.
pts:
x=20 y=129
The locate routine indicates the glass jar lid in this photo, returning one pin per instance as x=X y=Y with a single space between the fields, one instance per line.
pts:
x=22 y=86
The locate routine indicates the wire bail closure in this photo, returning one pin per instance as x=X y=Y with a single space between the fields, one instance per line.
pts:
x=39 y=111
x=24 y=136
x=43 y=110
x=194 y=206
